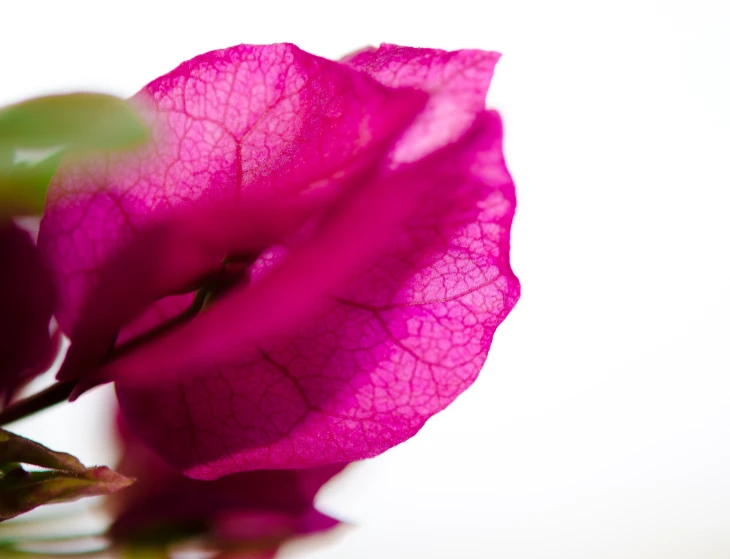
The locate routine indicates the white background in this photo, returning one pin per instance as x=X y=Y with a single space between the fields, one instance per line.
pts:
x=600 y=427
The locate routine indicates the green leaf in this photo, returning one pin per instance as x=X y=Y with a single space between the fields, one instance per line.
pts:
x=23 y=186
x=21 y=491
x=75 y=121
x=17 y=449
x=6 y=160
x=66 y=479
x=139 y=552
x=71 y=123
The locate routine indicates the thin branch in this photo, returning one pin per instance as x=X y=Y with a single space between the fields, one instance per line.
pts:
x=54 y=394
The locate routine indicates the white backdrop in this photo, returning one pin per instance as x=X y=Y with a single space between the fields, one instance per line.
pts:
x=600 y=426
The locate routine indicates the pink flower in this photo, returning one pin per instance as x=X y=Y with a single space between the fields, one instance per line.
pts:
x=256 y=511
x=309 y=260
x=27 y=300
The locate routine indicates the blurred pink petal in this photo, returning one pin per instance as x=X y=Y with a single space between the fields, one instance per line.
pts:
x=27 y=300
x=259 y=508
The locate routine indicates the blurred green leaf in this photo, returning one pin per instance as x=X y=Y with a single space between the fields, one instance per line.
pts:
x=70 y=123
x=22 y=491
x=23 y=186
x=6 y=160
x=65 y=480
x=75 y=121
x=17 y=449
x=137 y=552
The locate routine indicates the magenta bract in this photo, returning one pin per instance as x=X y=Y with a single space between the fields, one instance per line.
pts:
x=309 y=260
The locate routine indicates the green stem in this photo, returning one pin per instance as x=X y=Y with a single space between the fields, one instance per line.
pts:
x=201 y=297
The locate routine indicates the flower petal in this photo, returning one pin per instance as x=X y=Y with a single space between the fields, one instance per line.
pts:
x=456 y=81
x=406 y=298
x=246 y=122
x=167 y=258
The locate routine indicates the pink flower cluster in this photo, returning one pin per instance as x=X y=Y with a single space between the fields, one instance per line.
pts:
x=307 y=261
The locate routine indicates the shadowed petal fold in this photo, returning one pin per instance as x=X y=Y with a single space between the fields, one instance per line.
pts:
x=27 y=301
x=262 y=509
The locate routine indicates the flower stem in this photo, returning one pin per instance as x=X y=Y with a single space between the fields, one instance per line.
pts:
x=54 y=394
